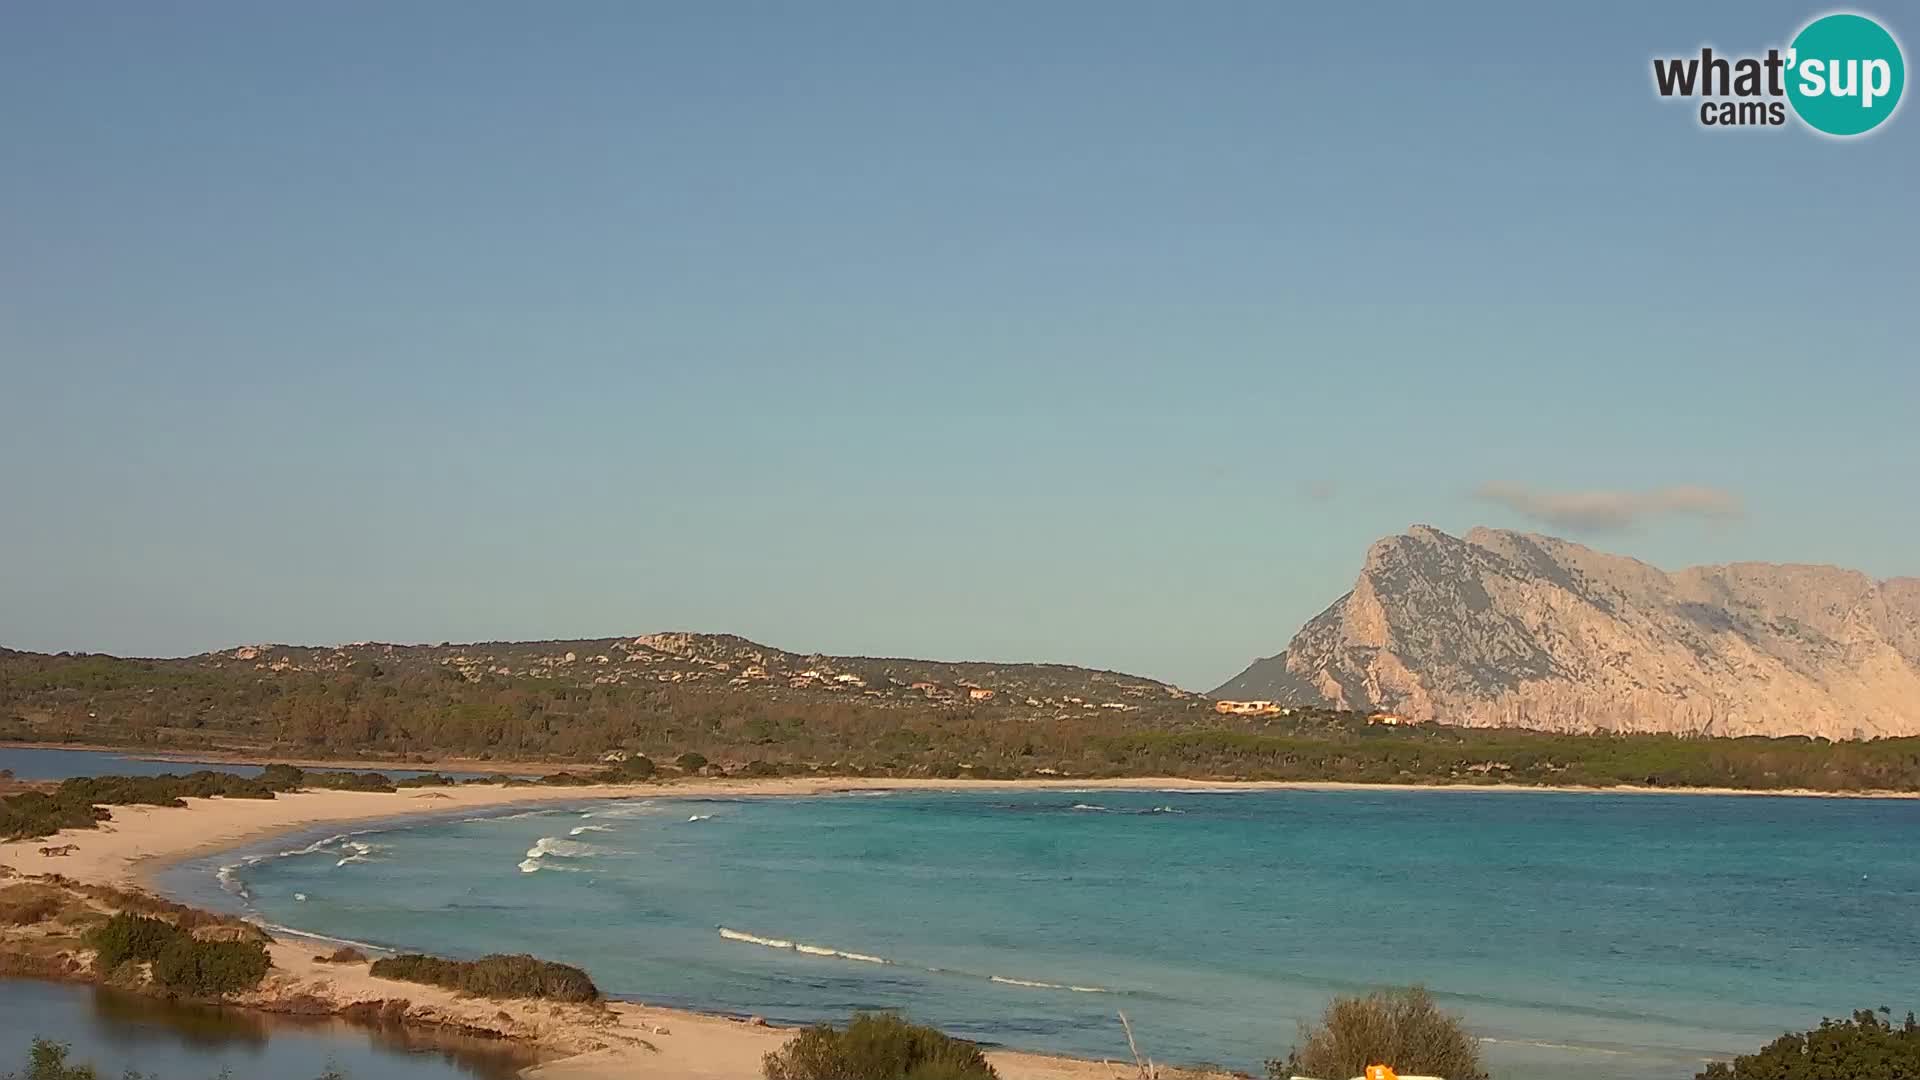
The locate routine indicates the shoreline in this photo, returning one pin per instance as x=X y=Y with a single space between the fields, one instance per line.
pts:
x=611 y=1040
x=577 y=1042
x=777 y=785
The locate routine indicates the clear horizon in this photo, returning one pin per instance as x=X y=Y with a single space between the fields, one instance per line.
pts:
x=1097 y=334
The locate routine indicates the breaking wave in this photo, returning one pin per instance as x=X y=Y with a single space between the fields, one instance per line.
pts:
x=555 y=846
x=578 y=829
x=699 y=817
x=1034 y=984
x=868 y=958
x=800 y=947
x=359 y=852
x=622 y=810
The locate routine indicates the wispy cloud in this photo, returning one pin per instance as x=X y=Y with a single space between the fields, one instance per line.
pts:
x=1602 y=511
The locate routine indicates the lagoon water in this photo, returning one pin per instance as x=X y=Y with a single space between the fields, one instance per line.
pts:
x=1596 y=936
x=115 y=1032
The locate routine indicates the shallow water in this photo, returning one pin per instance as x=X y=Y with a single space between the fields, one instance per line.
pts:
x=116 y=1032
x=1592 y=936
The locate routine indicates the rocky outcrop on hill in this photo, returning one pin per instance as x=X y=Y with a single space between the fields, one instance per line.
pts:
x=1507 y=629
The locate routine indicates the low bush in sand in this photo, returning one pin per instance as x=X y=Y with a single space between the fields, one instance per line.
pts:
x=496 y=976
x=1865 y=1047
x=345 y=954
x=210 y=968
x=876 y=1046
x=1402 y=1028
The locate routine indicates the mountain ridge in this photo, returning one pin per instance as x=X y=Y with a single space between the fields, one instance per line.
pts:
x=1500 y=628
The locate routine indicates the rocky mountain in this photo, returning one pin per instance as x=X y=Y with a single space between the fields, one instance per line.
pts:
x=1507 y=629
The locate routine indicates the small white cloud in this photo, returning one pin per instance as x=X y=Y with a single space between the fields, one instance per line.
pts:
x=1601 y=511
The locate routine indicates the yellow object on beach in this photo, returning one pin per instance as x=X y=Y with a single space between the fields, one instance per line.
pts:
x=1381 y=1072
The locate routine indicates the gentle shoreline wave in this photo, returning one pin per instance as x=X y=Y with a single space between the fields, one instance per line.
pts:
x=868 y=958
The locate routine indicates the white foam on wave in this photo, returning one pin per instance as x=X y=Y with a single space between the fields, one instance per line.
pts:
x=801 y=947
x=558 y=848
x=309 y=935
x=359 y=852
x=868 y=958
x=578 y=829
x=230 y=882
x=314 y=848
x=1088 y=806
x=1035 y=984
x=700 y=817
x=509 y=817
x=754 y=939
x=623 y=809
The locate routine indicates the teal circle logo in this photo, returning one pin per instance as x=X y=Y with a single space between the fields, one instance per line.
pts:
x=1845 y=74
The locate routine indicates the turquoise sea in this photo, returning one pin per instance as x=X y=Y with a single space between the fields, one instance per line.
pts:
x=1596 y=936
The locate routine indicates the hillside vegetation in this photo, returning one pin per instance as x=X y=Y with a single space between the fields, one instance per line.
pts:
x=718 y=704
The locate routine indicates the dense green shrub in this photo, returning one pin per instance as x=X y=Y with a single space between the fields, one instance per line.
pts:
x=876 y=1046
x=495 y=976
x=210 y=968
x=1865 y=1047
x=691 y=761
x=130 y=937
x=181 y=963
x=1403 y=1028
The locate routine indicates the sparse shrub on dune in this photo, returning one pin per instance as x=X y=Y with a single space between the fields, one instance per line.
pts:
x=496 y=976
x=345 y=954
x=876 y=1046
x=26 y=905
x=1405 y=1029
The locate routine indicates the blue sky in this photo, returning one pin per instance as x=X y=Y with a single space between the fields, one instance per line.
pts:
x=1105 y=333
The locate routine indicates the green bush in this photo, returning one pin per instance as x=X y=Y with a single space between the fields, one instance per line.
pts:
x=1403 y=1028
x=181 y=963
x=47 y=1060
x=130 y=937
x=1865 y=1047
x=210 y=968
x=877 y=1046
x=496 y=976
x=691 y=761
